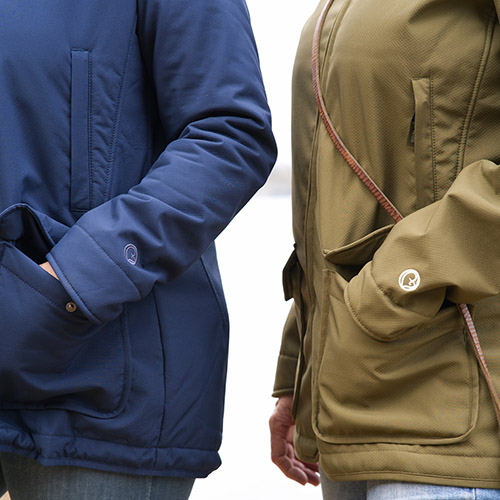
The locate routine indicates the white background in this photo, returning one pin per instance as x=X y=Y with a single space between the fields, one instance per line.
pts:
x=252 y=253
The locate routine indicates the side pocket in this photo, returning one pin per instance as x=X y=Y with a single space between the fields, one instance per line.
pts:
x=421 y=388
x=80 y=129
x=422 y=141
x=211 y=268
x=51 y=355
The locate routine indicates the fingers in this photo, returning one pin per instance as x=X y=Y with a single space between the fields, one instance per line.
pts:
x=312 y=473
x=302 y=472
x=281 y=425
x=296 y=470
x=47 y=267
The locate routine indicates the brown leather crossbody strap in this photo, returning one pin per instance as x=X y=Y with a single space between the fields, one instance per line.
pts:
x=384 y=201
x=348 y=157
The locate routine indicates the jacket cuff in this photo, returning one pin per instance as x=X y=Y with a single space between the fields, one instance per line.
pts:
x=91 y=277
x=285 y=375
x=378 y=314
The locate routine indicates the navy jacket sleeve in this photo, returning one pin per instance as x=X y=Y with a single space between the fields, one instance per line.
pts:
x=202 y=58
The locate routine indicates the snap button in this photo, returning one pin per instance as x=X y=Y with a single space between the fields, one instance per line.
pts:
x=71 y=307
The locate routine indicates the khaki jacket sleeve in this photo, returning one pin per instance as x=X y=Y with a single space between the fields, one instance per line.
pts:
x=447 y=250
x=288 y=358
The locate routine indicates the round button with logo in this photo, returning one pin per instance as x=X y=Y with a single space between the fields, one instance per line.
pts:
x=409 y=280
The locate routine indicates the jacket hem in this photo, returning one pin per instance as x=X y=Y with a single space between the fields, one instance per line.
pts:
x=417 y=467
x=72 y=451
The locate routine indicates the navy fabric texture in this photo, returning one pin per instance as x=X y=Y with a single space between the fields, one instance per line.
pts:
x=131 y=133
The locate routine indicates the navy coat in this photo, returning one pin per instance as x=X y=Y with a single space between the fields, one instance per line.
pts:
x=131 y=132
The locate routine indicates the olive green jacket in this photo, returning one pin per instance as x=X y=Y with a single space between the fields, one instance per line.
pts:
x=386 y=385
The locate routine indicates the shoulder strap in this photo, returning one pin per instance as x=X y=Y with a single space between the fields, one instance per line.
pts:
x=384 y=201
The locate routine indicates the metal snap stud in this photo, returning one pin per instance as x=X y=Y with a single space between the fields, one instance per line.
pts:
x=71 y=307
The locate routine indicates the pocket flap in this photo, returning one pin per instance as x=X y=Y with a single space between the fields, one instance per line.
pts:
x=360 y=251
x=32 y=232
x=289 y=275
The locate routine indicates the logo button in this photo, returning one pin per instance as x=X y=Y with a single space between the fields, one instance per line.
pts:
x=131 y=254
x=409 y=280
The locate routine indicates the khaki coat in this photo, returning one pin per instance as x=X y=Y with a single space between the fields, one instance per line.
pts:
x=386 y=385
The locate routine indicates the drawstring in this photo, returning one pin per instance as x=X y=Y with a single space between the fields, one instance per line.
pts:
x=385 y=202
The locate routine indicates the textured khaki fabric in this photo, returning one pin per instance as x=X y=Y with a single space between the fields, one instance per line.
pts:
x=386 y=385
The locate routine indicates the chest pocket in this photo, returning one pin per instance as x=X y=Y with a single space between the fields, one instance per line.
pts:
x=420 y=138
x=81 y=169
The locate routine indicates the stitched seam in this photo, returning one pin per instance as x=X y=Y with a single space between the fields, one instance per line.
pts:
x=323 y=327
x=32 y=287
x=368 y=330
x=408 y=440
x=90 y=135
x=395 y=449
x=475 y=92
x=126 y=367
x=81 y=408
x=108 y=256
x=116 y=463
x=313 y=155
x=216 y=295
x=364 y=327
x=122 y=443
x=150 y=485
x=395 y=337
x=433 y=138
x=116 y=121
x=414 y=474
x=63 y=274
x=160 y=433
x=99 y=413
x=393 y=301
x=86 y=201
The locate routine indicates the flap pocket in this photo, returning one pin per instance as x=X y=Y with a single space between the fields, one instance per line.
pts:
x=421 y=388
x=360 y=251
x=350 y=258
x=80 y=117
x=291 y=276
x=294 y=286
x=52 y=356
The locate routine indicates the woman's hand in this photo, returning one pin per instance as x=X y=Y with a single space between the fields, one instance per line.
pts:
x=47 y=267
x=282 y=452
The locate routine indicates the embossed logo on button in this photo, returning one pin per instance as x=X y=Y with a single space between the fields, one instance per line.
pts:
x=409 y=280
x=131 y=254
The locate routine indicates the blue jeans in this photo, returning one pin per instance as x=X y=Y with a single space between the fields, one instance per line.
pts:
x=26 y=479
x=392 y=490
